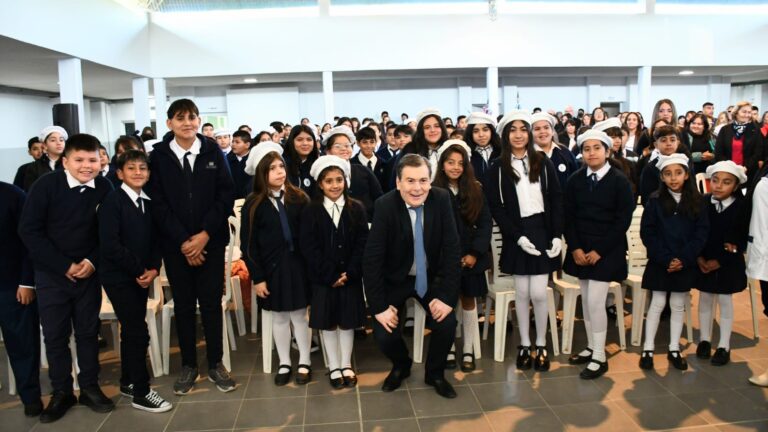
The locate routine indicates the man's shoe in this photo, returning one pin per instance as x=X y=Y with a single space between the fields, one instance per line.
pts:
x=395 y=378
x=58 y=406
x=186 y=380
x=442 y=387
x=220 y=376
x=151 y=402
x=33 y=409
x=96 y=400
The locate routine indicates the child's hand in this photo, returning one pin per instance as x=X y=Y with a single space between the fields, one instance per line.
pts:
x=579 y=257
x=675 y=265
x=261 y=289
x=74 y=268
x=702 y=265
x=341 y=281
x=195 y=244
x=145 y=280
x=730 y=247
x=468 y=261
x=25 y=296
x=592 y=257
x=86 y=270
x=713 y=265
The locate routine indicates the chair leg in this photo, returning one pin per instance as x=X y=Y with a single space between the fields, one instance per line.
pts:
x=43 y=355
x=75 y=366
x=322 y=347
x=266 y=340
x=689 y=318
x=226 y=328
x=254 y=312
x=166 y=337
x=553 y=321
x=237 y=300
x=487 y=320
x=419 y=322
x=230 y=328
x=569 y=315
x=618 y=294
x=500 y=327
x=476 y=340
x=640 y=297
x=155 y=359
x=753 y=301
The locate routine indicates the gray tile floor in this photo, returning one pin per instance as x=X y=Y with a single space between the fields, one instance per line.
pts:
x=496 y=397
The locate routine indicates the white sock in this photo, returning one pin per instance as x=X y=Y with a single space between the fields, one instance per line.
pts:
x=468 y=325
x=677 y=306
x=347 y=338
x=706 y=303
x=303 y=335
x=598 y=318
x=522 y=302
x=652 y=318
x=331 y=342
x=598 y=352
x=538 y=293
x=726 y=320
x=281 y=331
x=584 y=286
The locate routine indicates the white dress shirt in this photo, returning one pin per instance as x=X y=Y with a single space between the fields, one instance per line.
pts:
x=334 y=209
x=528 y=194
x=180 y=152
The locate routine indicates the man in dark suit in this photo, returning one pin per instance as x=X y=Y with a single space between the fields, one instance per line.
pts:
x=413 y=251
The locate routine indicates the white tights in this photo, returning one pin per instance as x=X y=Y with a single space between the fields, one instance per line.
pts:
x=531 y=289
x=281 y=329
x=338 y=347
x=706 y=313
x=593 y=294
x=677 y=306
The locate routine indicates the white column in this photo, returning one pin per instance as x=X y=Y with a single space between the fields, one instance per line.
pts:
x=141 y=113
x=465 y=99
x=103 y=125
x=594 y=95
x=328 y=95
x=71 y=87
x=644 y=102
x=161 y=106
x=492 y=85
x=510 y=99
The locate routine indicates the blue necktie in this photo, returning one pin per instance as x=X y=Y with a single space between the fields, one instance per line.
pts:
x=284 y=221
x=592 y=181
x=419 y=254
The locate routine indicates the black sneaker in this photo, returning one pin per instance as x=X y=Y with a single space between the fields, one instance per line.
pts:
x=721 y=357
x=220 y=377
x=186 y=380
x=126 y=390
x=677 y=360
x=151 y=402
x=704 y=350
x=646 y=360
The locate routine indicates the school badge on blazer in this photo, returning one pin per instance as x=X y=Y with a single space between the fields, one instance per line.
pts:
x=211 y=165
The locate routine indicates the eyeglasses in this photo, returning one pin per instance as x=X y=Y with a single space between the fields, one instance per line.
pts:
x=341 y=146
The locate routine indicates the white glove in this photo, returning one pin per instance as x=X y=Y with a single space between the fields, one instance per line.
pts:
x=527 y=246
x=557 y=247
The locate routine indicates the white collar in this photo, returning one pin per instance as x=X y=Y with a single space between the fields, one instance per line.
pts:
x=105 y=170
x=486 y=149
x=675 y=195
x=239 y=158
x=226 y=150
x=73 y=182
x=132 y=194
x=726 y=202
x=601 y=172
x=364 y=160
x=180 y=152
x=275 y=195
x=328 y=204
x=549 y=153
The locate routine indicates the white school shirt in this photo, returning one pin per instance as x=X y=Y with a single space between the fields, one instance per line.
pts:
x=485 y=152
x=274 y=195
x=134 y=196
x=726 y=203
x=180 y=152
x=549 y=153
x=72 y=182
x=630 y=143
x=364 y=160
x=528 y=194
x=601 y=172
x=334 y=209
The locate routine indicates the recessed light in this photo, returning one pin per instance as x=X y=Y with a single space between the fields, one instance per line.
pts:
x=685 y=72
x=250 y=80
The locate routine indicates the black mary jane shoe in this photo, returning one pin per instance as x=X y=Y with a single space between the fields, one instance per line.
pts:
x=349 y=380
x=524 y=360
x=467 y=362
x=336 y=383
x=721 y=358
x=541 y=361
x=450 y=361
x=646 y=360
x=612 y=312
x=577 y=359
x=282 y=378
x=303 y=377
x=588 y=373
x=704 y=350
x=677 y=360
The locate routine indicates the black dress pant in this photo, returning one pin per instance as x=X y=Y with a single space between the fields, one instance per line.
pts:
x=764 y=296
x=129 y=301
x=440 y=341
x=65 y=305
x=193 y=286
x=21 y=332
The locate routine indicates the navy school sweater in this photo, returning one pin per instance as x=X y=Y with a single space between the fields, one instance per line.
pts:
x=15 y=266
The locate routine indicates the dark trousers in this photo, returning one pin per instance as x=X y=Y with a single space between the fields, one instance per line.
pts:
x=193 y=286
x=65 y=305
x=440 y=341
x=130 y=303
x=21 y=332
x=764 y=296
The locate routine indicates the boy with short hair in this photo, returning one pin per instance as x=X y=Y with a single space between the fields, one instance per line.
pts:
x=403 y=135
x=241 y=146
x=366 y=139
x=192 y=195
x=388 y=151
x=34 y=149
x=58 y=227
x=223 y=140
x=130 y=261
x=208 y=130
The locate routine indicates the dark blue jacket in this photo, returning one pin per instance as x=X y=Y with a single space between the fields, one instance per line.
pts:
x=673 y=236
x=243 y=182
x=564 y=162
x=15 y=265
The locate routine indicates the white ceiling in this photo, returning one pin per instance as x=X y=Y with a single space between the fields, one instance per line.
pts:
x=31 y=67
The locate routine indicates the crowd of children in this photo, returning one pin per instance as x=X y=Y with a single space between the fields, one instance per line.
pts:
x=562 y=189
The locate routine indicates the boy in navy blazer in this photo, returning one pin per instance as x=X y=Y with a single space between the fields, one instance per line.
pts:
x=58 y=226
x=192 y=195
x=241 y=146
x=366 y=140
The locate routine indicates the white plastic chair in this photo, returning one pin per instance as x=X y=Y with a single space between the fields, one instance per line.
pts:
x=236 y=299
x=701 y=183
x=637 y=258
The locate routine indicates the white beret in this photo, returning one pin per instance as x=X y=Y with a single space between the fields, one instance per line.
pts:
x=339 y=130
x=674 y=158
x=451 y=143
x=730 y=167
x=604 y=125
x=257 y=154
x=428 y=112
x=592 y=134
x=221 y=132
x=539 y=116
x=326 y=161
x=51 y=129
x=150 y=144
x=512 y=116
x=481 y=118
x=271 y=130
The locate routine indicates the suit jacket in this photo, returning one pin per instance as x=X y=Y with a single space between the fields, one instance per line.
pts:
x=753 y=149
x=15 y=264
x=383 y=153
x=389 y=257
x=365 y=188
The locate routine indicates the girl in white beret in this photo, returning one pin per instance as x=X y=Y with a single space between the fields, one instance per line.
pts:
x=722 y=271
x=269 y=241
x=334 y=229
x=674 y=230
x=473 y=222
x=526 y=201
x=485 y=143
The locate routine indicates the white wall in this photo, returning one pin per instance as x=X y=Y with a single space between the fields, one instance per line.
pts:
x=23 y=116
